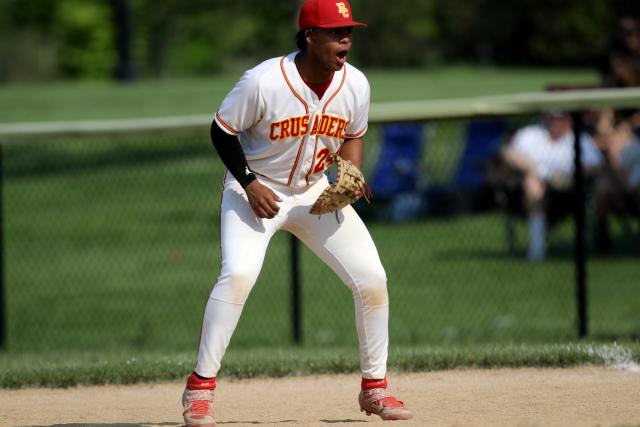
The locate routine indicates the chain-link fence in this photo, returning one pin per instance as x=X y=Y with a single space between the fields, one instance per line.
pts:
x=114 y=242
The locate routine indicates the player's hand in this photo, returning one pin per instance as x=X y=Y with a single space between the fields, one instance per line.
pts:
x=263 y=201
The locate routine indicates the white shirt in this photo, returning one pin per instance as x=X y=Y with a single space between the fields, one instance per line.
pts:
x=554 y=157
x=286 y=132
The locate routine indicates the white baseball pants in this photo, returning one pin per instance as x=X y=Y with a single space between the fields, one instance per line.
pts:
x=346 y=247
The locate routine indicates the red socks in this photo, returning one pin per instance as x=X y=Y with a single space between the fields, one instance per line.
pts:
x=373 y=383
x=195 y=382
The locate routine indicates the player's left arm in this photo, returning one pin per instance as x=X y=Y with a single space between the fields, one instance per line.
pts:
x=352 y=150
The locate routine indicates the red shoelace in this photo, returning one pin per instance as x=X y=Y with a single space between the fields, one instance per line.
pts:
x=392 y=402
x=201 y=407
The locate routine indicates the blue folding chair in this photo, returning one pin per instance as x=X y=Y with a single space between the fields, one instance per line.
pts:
x=398 y=166
x=395 y=179
x=483 y=141
x=468 y=190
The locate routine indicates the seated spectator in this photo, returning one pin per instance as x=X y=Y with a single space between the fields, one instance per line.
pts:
x=544 y=156
x=617 y=192
x=621 y=68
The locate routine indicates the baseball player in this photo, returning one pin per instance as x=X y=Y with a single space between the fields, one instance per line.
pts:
x=275 y=132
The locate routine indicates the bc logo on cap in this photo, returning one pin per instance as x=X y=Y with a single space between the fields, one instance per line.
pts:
x=342 y=9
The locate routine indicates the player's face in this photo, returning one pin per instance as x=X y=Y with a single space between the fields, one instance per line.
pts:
x=330 y=46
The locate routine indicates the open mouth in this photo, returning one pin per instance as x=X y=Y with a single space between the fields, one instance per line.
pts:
x=342 y=56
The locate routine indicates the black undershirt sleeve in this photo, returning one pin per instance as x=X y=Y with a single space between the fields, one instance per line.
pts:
x=232 y=155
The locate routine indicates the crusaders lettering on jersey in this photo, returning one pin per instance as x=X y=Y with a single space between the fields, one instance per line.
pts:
x=289 y=128
x=331 y=126
x=323 y=124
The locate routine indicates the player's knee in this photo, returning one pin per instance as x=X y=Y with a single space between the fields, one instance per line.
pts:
x=373 y=289
x=233 y=287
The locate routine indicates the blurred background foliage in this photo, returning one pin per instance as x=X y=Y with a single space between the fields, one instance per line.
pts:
x=42 y=40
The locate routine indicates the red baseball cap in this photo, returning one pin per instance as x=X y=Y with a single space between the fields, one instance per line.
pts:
x=326 y=14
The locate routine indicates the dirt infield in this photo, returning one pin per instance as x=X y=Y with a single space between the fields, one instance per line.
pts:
x=504 y=397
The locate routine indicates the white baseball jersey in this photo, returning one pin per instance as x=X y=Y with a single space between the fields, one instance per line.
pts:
x=286 y=132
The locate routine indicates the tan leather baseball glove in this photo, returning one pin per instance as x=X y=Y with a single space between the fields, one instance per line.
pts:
x=349 y=186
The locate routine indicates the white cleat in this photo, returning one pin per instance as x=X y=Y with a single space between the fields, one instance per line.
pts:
x=198 y=408
x=380 y=402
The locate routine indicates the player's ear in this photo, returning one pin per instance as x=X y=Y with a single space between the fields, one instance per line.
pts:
x=308 y=35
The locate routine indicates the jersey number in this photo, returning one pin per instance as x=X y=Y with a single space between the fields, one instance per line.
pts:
x=322 y=158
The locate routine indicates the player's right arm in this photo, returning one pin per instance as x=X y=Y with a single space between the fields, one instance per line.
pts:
x=262 y=199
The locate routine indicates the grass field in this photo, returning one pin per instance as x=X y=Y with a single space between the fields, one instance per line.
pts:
x=95 y=100
x=112 y=245
x=66 y=369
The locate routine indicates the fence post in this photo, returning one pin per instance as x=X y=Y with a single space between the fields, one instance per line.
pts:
x=3 y=303
x=579 y=220
x=296 y=292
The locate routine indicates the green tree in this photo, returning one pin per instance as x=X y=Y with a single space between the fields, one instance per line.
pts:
x=398 y=34
x=48 y=39
x=26 y=28
x=86 y=39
